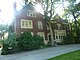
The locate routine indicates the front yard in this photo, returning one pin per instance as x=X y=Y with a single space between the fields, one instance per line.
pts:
x=69 y=56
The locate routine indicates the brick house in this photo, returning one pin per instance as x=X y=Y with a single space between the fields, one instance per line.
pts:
x=28 y=19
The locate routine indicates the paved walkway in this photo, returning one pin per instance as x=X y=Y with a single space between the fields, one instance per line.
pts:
x=42 y=54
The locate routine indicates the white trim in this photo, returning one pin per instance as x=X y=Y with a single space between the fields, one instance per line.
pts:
x=28 y=22
x=31 y=13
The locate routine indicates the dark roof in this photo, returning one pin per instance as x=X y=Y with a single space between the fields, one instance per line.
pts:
x=29 y=6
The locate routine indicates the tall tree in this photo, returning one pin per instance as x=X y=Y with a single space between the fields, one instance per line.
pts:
x=74 y=10
x=49 y=10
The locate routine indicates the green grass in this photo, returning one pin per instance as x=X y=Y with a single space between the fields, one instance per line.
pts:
x=69 y=56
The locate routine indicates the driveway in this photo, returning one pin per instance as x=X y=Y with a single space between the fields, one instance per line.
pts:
x=41 y=54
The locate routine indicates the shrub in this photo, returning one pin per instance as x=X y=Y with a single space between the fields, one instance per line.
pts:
x=69 y=39
x=21 y=42
x=25 y=41
x=9 y=43
x=5 y=47
x=38 y=42
x=28 y=42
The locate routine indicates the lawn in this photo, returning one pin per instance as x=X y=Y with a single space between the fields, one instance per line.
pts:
x=69 y=56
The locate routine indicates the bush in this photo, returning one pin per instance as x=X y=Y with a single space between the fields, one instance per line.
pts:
x=38 y=42
x=9 y=43
x=21 y=42
x=25 y=41
x=28 y=42
x=5 y=47
x=69 y=39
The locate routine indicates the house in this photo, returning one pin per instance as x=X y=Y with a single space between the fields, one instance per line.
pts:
x=60 y=27
x=28 y=19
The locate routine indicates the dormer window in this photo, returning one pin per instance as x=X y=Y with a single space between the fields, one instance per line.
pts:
x=31 y=13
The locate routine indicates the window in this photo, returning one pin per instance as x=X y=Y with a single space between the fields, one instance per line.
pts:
x=59 y=37
x=26 y=23
x=23 y=23
x=31 y=14
x=41 y=34
x=40 y=25
x=56 y=37
x=59 y=26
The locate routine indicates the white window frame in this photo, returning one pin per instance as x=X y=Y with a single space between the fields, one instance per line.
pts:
x=29 y=26
x=31 y=13
x=59 y=26
x=40 y=25
x=41 y=34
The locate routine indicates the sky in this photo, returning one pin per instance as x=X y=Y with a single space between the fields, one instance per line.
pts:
x=7 y=12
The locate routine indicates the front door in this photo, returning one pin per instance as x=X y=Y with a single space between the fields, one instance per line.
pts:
x=49 y=38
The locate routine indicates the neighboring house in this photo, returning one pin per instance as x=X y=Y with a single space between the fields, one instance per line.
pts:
x=28 y=19
x=60 y=28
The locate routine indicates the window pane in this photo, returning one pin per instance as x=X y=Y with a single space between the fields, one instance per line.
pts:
x=56 y=37
x=31 y=13
x=26 y=23
x=23 y=23
x=41 y=34
x=40 y=25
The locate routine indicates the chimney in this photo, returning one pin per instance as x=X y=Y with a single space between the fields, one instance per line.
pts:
x=15 y=8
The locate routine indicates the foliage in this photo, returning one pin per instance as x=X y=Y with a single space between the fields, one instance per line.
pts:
x=3 y=30
x=5 y=47
x=9 y=45
x=69 y=39
x=38 y=42
x=78 y=36
x=21 y=42
x=28 y=42
x=25 y=41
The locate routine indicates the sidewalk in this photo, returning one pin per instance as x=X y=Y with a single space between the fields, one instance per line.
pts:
x=41 y=54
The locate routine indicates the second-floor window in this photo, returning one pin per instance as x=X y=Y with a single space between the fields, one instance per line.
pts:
x=26 y=24
x=40 y=25
x=59 y=26
x=31 y=13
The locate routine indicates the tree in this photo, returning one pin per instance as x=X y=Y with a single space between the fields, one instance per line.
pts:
x=73 y=10
x=3 y=30
x=49 y=10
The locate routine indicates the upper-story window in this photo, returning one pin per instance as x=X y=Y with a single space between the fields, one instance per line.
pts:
x=31 y=13
x=40 y=25
x=26 y=24
x=59 y=26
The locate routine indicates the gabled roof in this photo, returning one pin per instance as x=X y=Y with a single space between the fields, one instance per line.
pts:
x=29 y=6
x=58 y=19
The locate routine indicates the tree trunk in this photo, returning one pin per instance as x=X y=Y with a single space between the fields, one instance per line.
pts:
x=51 y=32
